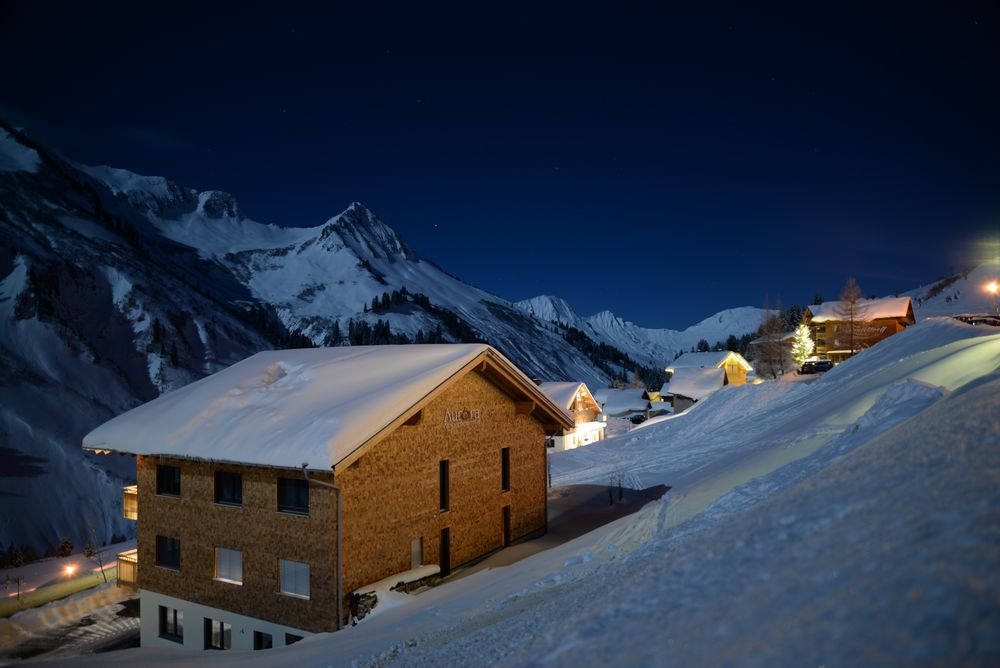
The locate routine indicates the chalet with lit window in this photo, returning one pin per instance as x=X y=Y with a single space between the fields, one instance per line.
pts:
x=577 y=400
x=268 y=491
x=875 y=319
x=694 y=376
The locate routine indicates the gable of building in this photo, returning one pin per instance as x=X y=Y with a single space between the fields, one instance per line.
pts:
x=320 y=407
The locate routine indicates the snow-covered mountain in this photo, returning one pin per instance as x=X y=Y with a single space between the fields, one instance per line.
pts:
x=115 y=287
x=648 y=346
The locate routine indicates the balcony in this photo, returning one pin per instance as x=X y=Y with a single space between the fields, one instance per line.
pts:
x=128 y=568
x=130 y=502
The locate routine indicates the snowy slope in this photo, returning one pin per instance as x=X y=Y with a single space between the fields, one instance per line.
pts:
x=961 y=293
x=653 y=347
x=847 y=521
x=97 y=314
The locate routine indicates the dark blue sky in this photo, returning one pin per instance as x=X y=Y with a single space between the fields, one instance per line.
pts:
x=663 y=165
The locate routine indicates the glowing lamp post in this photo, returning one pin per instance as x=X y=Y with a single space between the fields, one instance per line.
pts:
x=70 y=570
x=993 y=288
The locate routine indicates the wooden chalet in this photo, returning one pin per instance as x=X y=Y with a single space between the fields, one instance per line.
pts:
x=270 y=489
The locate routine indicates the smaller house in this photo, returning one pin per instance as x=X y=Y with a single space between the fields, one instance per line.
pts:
x=623 y=403
x=734 y=366
x=575 y=398
x=691 y=384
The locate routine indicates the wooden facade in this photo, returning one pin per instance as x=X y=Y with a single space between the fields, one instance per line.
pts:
x=833 y=335
x=490 y=434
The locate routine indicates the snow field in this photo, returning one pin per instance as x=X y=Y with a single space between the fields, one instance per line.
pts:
x=847 y=521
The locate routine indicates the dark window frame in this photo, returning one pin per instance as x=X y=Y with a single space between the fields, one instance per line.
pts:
x=229 y=488
x=168 y=552
x=291 y=494
x=292 y=638
x=258 y=638
x=169 y=627
x=168 y=480
x=504 y=469
x=210 y=634
x=444 y=484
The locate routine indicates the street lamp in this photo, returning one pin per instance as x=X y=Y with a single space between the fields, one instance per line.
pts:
x=993 y=288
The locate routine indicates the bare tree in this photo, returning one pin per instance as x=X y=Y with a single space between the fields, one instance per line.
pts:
x=770 y=351
x=93 y=552
x=852 y=312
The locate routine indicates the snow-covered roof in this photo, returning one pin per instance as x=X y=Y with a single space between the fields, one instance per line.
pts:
x=622 y=402
x=770 y=338
x=564 y=394
x=869 y=309
x=708 y=360
x=695 y=382
x=317 y=406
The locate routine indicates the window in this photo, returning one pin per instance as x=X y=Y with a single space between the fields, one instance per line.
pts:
x=294 y=578
x=505 y=469
x=443 y=485
x=291 y=638
x=168 y=552
x=229 y=488
x=171 y=624
x=293 y=495
x=168 y=480
x=229 y=565
x=218 y=634
x=262 y=640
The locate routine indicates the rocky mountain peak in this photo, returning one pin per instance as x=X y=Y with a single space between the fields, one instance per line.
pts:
x=219 y=204
x=363 y=232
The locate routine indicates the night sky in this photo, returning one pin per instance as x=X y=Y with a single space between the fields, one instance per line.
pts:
x=661 y=165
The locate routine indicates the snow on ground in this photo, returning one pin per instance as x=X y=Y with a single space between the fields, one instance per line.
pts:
x=850 y=520
x=38 y=622
x=47 y=572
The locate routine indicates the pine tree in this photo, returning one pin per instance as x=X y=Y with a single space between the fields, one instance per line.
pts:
x=16 y=556
x=802 y=345
x=65 y=548
x=703 y=346
x=336 y=337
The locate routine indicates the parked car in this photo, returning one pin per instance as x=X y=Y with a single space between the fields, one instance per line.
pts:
x=816 y=366
x=637 y=419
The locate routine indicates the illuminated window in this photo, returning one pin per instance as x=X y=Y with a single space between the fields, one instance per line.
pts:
x=229 y=565
x=294 y=578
